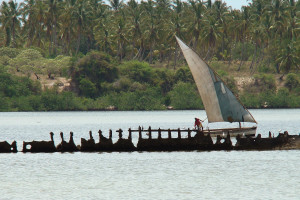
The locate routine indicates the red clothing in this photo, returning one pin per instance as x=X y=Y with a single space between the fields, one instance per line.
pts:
x=197 y=122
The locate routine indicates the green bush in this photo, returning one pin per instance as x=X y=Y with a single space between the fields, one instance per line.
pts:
x=10 y=52
x=292 y=81
x=184 y=74
x=185 y=96
x=265 y=82
x=87 y=88
x=251 y=100
x=137 y=71
x=248 y=49
x=97 y=67
x=166 y=79
x=148 y=99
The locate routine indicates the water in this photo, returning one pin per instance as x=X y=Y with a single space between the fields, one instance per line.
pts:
x=163 y=175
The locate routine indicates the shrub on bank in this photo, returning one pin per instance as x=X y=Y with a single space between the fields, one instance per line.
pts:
x=185 y=96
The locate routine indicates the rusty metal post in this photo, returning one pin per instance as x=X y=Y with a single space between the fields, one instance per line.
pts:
x=110 y=134
x=120 y=133
x=140 y=132
x=129 y=134
x=159 y=133
x=179 y=133
x=150 y=132
x=91 y=136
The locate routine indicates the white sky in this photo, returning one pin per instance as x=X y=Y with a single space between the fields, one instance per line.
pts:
x=235 y=4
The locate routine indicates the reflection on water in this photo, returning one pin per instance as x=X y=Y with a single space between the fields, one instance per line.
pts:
x=174 y=175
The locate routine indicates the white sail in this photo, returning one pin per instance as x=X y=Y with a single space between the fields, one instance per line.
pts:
x=219 y=102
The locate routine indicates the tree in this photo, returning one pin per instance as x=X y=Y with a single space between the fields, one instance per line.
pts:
x=96 y=67
x=27 y=60
x=287 y=57
x=10 y=20
x=29 y=19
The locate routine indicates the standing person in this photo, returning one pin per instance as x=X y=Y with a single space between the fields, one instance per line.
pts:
x=198 y=124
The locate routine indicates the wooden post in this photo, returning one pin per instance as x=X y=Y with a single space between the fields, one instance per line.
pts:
x=140 y=133
x=159 y=133
x=189 y=133
x=150 y=132
x=179 y=133
x=91 y=136
x=129 y=134
x=110 y=134
x=169 y=134
x=100 y=135
x=120 y=133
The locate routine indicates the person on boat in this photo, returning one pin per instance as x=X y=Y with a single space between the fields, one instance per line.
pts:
x=198 y=124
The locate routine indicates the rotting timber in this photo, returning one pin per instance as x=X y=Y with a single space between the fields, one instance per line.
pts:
x=193 y=140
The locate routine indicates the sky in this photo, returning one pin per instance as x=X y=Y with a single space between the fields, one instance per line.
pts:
x=235 y=4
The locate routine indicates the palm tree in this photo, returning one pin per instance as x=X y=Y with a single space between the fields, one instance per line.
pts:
x=220 y=12
x=29 y=19
x=287 y=57
x=67 y=24
x=211 y=34
x=278 y=12
x=151 y=26
x=52 y=15
x=103 y=29
x=81 y=15
x=244 y=26
x=135 y=16
x=40 y=20
x=116 y=4
x=164 y=27
x=177 y=24
x=10 y=20
x=195 y=27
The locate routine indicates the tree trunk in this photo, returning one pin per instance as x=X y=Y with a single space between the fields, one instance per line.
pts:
x=78 y=41
x=242 y=57
x=54 y=37
x=254 y=57
x=37 y=77
x=13 y=35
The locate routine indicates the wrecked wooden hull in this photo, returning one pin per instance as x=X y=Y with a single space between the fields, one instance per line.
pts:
x=201 y=141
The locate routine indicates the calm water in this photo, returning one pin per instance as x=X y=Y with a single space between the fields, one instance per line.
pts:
x=164 y=175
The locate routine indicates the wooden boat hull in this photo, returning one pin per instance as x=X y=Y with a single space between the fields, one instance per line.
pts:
x=246 y=131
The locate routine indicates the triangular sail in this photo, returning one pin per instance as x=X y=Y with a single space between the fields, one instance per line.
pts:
x=219 y=102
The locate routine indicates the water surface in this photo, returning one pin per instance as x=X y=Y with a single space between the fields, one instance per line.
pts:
x=156 y=175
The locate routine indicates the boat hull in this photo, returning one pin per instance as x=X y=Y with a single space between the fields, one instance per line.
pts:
x=246 y=131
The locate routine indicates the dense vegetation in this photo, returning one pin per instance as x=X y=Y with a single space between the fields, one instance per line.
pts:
x=124 y=55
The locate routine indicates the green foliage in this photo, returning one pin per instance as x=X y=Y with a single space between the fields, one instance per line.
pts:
x=52 y=101
x=4 y=60
x=9 y=52
x=292 y=81
x=264 y=69
x=265 y=82
x=87 y=88
x=13 y=86
x=185 y=96
x=165 y=79
x=148 y=99
x=97 y=68
x=240 y=49
x=184 y=74
x=137 y=71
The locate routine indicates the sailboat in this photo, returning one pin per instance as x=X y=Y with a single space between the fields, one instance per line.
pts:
x=220 y=104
